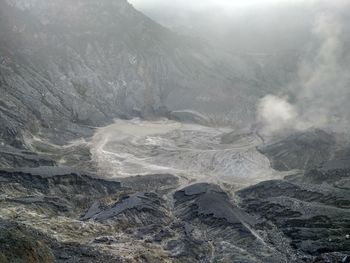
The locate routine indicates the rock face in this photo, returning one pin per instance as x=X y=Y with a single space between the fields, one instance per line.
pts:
x=142 y=208
x=67 y=65
x=13 y=157
x=56 y=214
x=60 y=215
x=312 y=209
x=208 y=211
x=40 y=196
x=17 y=244
x=55 y=190
x=302 y=150
x=20 y=243
x=209 y=202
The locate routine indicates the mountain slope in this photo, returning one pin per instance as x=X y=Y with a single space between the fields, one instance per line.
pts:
x=69 y=64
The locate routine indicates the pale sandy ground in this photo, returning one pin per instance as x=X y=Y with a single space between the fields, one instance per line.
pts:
x=192 y=152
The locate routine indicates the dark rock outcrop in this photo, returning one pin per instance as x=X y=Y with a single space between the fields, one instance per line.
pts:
x=17 y=244
x=303 y=150
x=151 y=183
x=208 y=212
x=22 y=244
x=277 y=221
x=139 y=208
x=56 y=190
x=58 y=181
x=13 y=157
x=312 y=209
x=209 y=202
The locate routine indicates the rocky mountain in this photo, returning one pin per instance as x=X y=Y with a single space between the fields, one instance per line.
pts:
x=311 y=209
x=62 y=215
x=59 y=215
x=68 y=65
x=301 y=150
x=164 y=191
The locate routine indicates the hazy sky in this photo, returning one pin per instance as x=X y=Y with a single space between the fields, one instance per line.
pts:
x=198 y=4
x=319 y=30
x=171 y=8
x=226 y=3
x=252 y=25
x=236 y=23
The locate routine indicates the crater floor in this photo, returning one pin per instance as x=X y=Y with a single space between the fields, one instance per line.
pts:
x=190 y=151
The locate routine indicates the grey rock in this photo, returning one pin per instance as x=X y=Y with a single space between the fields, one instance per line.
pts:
x=314 y=216
x=222 y=224
x=303 y=150
x=19 y=243
x=13 y=157
x=61 y=75
x=145 y=207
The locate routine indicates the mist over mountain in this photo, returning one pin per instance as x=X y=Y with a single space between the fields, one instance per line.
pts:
x=174 y=131
x=245 y=26
x=86 y=67
x=317 y=31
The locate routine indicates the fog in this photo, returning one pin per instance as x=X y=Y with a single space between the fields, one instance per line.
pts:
x=195 y=5
x=317 y=30
x=322 y=90
x=243 y=26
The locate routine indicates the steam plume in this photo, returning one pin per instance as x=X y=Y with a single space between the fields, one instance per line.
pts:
x=323 y=93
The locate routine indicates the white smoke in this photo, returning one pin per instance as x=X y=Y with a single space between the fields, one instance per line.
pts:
x=325 y=80
x=322 y=99
x=276 y=114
